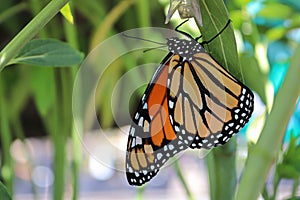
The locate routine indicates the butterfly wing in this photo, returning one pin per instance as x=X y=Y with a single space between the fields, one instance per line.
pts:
x=191 y=101
x=209 y=105
x=152 y=139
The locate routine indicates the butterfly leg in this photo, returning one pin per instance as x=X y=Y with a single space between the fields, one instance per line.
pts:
x=182 y=32
x=214 y=37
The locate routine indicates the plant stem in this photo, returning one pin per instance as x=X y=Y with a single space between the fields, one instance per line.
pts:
x=62 y=129
x=77 y=153
x=68 y=76
x=59 y=168
x=221 y=169
x=143 y=14
x=29 y=31
x=275 y=185
x=264 y=152
x=140 y=193
x=6 y=139
x=109 y=21
x=59 y=140
x=294 y=189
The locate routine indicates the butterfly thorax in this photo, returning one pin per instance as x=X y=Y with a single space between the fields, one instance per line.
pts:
x=185 y=48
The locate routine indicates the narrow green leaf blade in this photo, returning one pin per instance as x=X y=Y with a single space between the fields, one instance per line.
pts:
x=67 y=13
x=4 y=193
x=223 y=48
x=48 y=52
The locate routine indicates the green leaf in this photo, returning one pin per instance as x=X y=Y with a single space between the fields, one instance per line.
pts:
x=48 y=52
x=66 y=12
x=4 y=193
x=291 y=151
x=223 y=48
x=292 y=154
x=287 y=171
x=289 y=167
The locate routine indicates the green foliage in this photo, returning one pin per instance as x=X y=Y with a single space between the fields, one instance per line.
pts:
x=48 y=52
x=50 y=88
x=3 y=193
x=223 y=48
x=275 y=10
x=289 y=167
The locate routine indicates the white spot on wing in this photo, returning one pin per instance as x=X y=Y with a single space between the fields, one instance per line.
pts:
x=171 y=104
x=130 y=170
x=132 y=130
x=165 y=148
x=137 y=115
x=138 y=140
x=133 y=143
x=190 y=138
x=159 y=156
x=145 y=106
x=141 y=120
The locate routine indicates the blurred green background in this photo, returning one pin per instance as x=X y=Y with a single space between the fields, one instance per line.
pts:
x=42 y=156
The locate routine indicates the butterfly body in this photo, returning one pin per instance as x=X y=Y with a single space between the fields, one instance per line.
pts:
x=185 y=48
x=191 y=102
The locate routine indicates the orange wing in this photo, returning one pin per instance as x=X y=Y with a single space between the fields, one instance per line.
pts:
x=152 y=139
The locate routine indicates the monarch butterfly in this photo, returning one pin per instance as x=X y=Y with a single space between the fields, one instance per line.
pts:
x=191 y=101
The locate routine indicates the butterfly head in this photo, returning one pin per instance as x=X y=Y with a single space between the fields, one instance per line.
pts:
x=185 y=48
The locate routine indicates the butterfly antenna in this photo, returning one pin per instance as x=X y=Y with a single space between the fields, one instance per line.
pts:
x=162 y=46
x=143 y=39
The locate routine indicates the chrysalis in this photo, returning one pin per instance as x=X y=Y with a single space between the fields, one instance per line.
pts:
x=186 y=9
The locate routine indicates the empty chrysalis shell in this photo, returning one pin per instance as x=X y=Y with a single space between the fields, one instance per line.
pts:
x=186 y=9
